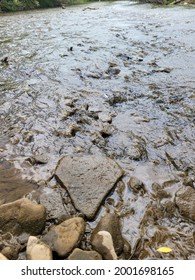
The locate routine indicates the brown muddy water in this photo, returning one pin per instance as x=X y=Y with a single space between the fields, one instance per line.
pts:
x=116 y=80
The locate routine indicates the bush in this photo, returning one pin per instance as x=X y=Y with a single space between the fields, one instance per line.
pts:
x=17 y=5
x=8 y=5
x=49 y=3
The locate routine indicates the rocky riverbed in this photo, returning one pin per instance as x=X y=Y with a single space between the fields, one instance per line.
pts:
x=97 y=133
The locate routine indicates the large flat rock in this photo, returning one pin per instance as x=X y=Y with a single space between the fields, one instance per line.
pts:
x=88 y=179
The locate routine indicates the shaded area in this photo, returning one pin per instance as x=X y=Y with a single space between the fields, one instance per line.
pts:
x=12 y=186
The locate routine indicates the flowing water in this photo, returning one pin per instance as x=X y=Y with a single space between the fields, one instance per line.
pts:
x=109 y=78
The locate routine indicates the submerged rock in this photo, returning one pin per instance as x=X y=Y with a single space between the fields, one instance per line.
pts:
x=103 y=243
x=136 y=185
x=4 y=60
x=185 y=201
x=38 y=250
x=79 y=254
x=64 y=237
x=22 y=216
x=88 y=179
x=113 y=70
x=110 y=222
x=12 y=186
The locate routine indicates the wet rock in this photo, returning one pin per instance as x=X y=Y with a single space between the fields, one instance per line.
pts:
x=70 y=49
x=94 y=75
x=40 y=159
x=4 y=60
x=103 y=243
x=97 y=139
x=12 y=186
x=71 y=130
x=105 y=117
x=185 y=201
x=112 y=64
x=66 y=236
x=70 y=102
x=54 y=205
x=15 y=140
x=2 y=257
x=159 y=191
x=22 y=256
x=22 y=216
x=79 y=254
x=113 y=70
x=120 y=188
x=163 y=70
x=117 y=98
x=189 y=181
x=38 y=250
x=109 y=201
x=9 y=246
x=84 y=120
x=89 y=9
x=168 y=208
x=106 y=131
x=23 y=238
x=136 y=185
x=123 y=56
x=28 y=137
x=110 y=222
x=10 y=252
x=88 y=179
x=68 y=112
x=156 y=187
x=94 y=108
x=126 y=250
x=136 y=151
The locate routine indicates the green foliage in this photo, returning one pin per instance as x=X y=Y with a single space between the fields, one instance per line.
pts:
x=18 y=5
x=8 y=5
x=29 y=4
x=49 y=3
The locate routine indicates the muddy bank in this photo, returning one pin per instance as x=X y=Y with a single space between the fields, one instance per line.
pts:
x=117 y=82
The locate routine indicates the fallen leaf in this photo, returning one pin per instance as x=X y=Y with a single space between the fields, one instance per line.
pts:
x=164 y=249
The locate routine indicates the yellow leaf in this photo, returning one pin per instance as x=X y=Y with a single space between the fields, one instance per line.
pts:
x=164 y=249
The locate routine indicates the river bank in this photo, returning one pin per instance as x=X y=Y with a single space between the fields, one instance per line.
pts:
x=97 y=119
x=14 y=6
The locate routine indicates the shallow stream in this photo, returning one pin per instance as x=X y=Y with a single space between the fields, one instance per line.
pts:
x=110 y=78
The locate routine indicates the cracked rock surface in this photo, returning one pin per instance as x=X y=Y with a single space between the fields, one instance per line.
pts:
x=88 y=179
